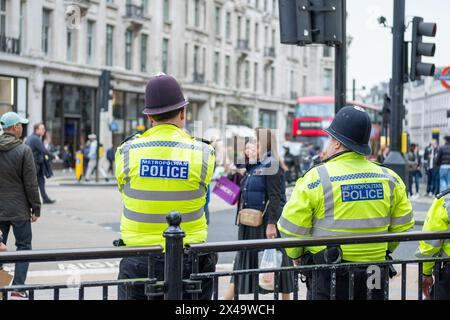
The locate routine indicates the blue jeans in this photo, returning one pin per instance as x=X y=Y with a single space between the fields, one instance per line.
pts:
x=435 y=181
x=208 y=197
x=414 y=176
x=444 y=177
x=41 y=183
x=430 y=181
x=22 y=233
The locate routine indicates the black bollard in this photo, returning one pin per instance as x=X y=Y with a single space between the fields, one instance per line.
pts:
x=173 y=264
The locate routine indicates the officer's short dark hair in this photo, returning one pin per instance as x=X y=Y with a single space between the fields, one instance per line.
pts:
x=166 y=116
x=447 y=138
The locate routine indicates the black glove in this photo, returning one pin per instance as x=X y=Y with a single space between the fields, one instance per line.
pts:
x=118 y=243
x=392 y=271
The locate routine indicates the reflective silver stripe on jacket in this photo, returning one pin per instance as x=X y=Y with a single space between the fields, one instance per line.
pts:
x=441 y=254
x=419 y=254
x=285 y=235
x=292 y=228
x=164 y=195
x=434 y=243
x=367 y=223
x=391 y=188
x=329 y=220
x=317 y=232
x=447 y=205
x=401 y=220
x=160 y=218
x=328 y=197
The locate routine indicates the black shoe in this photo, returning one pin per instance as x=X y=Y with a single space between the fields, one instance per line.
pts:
x=49 y=201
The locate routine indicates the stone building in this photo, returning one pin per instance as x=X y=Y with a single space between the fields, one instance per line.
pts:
x=226 y=54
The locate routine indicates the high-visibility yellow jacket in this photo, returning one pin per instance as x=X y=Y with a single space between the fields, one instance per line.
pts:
x=160 y=171
x=438 y=219
x=347 y=195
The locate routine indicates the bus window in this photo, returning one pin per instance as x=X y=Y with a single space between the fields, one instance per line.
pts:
x=315 y=110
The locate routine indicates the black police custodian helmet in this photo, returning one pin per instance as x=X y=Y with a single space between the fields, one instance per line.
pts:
x=163 y=94
x=352 y=128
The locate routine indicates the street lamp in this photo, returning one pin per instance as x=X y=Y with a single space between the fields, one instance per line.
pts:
x=354 y=89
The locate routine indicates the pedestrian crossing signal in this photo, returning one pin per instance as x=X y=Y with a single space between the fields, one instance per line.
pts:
x=304 y=22
x=419 y=49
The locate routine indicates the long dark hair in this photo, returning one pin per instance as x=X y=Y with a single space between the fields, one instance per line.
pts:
x=240 y=157
x=268 y=139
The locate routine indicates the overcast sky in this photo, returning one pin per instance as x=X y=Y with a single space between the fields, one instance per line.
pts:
x=370 y=55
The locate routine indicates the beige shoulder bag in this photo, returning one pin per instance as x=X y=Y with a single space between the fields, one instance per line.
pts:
x=251 y=217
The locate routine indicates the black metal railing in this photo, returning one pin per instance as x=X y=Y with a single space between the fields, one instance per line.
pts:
x=79 y=254
x=84 y=3
x=269 y=52
x=243 y=45
x=174 y=284
x=293 y=95
x=134 y=12
x=196 y=249
x=198 y=77
x=9 y=45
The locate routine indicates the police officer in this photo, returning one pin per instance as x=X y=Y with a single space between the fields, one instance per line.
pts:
x=438 y=219
x=346 y=195
x=162 y=170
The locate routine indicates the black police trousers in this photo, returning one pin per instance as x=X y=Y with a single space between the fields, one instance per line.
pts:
x=138 y=268
x=443 y=286
x=360 y=287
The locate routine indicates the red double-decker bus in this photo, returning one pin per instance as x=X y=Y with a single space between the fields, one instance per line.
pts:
x=314 y=114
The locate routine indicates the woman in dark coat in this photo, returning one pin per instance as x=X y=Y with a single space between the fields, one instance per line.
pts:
x=262 y=188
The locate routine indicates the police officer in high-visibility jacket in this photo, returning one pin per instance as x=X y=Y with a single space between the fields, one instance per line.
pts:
x=438 y=219
x=346 y=195
x=161 y=170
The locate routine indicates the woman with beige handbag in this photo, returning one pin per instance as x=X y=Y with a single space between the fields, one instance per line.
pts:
x=263 y=195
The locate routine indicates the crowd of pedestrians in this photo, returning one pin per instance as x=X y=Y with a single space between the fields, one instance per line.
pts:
x=430 y=167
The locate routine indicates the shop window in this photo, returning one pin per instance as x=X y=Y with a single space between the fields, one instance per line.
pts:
x=268 y=119
x=239 y=115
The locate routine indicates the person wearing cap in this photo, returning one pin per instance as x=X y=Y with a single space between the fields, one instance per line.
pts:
x=159 y=171
x=92 y=155
x=346 y=195
x=20 y=204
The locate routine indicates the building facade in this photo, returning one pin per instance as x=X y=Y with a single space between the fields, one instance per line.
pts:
x=427 y=104
x=225 y=53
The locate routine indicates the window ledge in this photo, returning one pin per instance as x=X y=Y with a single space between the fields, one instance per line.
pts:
x=198 y=30
x=112 y=6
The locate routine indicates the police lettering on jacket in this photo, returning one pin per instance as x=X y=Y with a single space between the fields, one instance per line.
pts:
x=168 y=169
x=362 y=192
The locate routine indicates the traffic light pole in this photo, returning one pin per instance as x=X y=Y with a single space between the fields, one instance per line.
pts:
x=340 y=73
x=395 y=160
x=97 y=129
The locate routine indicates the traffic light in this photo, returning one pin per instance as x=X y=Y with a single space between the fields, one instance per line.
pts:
x=422 y=29
x=105 y=90
x=304 y=22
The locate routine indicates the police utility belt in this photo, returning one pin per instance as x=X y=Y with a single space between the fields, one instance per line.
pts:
x=333 y=255
x=251 y=217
